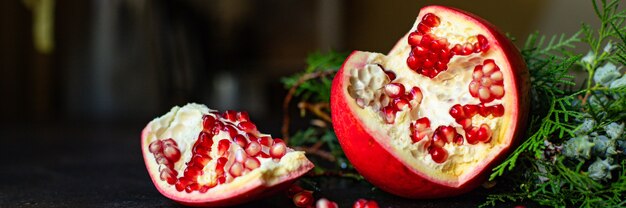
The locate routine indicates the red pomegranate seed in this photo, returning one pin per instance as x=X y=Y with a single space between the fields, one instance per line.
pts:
x=394 y=90
x=470 y=110
x=169 y=176
x=192 y=171
x=412 y=62
x=457 y=49
x=217 y=127
x=155 y=146
x=279 y=149
x=207 y=122
x=496 y=91
x=414 y=38
x=325 y=203
x=171 y=153
x=438 y=154
x=221 y=179
x=170 y=142
x=192 y=187
x=389 y=114
x=472 y=135
x=204 y=139
x=182 y=183
x=422 y=28
x=205 y=188
x=240 y=155
x=236 y=169
x=483 y=43
x=468 y=48
x=360 y=203
x=484 y=133
x=423 y=123
x=252 y=163
x=243 y=116
x=266 y=141
x=465 y=122
x=230 y=115
x=415 y=94
x=240 y=140
x=430 y=20
x=439 y=140
x=201 y=160
x=164 y=161
x=222 y=147
x=458 y=139
x=221 y=162
x=303 y=199
x=247 y=127
x=497 y=110
x=483 y=110
x=253 y=148
x=400 y=103
x=456 y=111
x=231 y=130
x=390 y=75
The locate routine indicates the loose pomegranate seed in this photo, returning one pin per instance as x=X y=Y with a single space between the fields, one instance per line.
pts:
x=247 y=127
x=252 y=163
x=303 y=199
x=240 y=140
x=230 y=115
x=155 y=146
x=389 y=114
x=394 y=90
x=222 y=147
x=438 y=154
x=325 y=203
x=364 y=203
x=243 y=116
x=279 y=149
x=253 y=148
x=207 y=122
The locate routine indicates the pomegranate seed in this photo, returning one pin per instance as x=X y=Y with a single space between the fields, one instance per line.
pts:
x=394 y=90
x=456 y=111
x=483 y=43
x=232 y=132
x=422 y=28
x=438 y=140
x=161 y=160
x=192 y=187
x=496 y=77
x=252 y=163
x=266 y=141
x=182 y=183
x=414 y=38
x=207 y=122
x=412 y=62
x=217 y=127
x=484 y=133
x=497 y=91
x=155 y=146
x=470 y=110
x=200 y=149
x=430 y=20
x=240 y=140
x=497 y=110
x=303 y=199
x=415 y=94
x=240 y=156
x=389 y=114
x=204 y=139
x=169 y=175
x=465 y=122
x=325 y=203
x=476 y=48
x=247 y=127
x=438 y=154
x=422 y=123
x=419 y=51
x=236 y=169
x=279 y=149
x=221 y=162
x=205 y=188
x=221 y=179
x=243 y=116
x=458 y=139
x=428 y=63
x=448 y=132
x=293 y=190
x=253 y=148
x=230 y=115
x=363 y=203
x=222 y=147
x=472 y=135
x=468 y=48
x=171 y=153
x=483 y=110
x=390 y=75
x=201 y=160
x=400 y=103
x=192 y=172
x=169 y=142
x=457 y=49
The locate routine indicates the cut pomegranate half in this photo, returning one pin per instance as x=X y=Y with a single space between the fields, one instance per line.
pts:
x=456 y=103
x=199 y=157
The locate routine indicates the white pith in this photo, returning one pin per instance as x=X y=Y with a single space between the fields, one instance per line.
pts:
x=440 y=93
x=183 y=124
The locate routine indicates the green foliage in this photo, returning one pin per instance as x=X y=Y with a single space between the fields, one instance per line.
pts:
x=316 y=90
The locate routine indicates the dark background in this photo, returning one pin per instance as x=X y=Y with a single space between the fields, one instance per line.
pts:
x=71 y=117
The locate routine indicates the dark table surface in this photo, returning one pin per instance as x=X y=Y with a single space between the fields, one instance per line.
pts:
x=78 y=164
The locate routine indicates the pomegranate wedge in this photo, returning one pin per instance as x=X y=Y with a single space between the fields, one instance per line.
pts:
x=200 y=157
x=433 y=116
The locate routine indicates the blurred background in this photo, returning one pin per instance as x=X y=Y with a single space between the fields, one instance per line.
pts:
x=132 y=60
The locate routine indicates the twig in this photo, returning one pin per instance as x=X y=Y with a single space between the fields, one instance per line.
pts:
x=291 y=93
x=316 y=108
x=315 y=150
x=336 y=173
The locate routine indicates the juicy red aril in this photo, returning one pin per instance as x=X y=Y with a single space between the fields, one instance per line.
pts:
x=472 y=135
x=497 y=110
x=252 y=163
x=438 y=154
x=222 y=147
x=192 y=187
x=430 y=20
x=182 y=183
x=483 y=110
x=457 y=111
x=221 y=179
x=415 y=94
x=232 y=132
x=253 y=148
x=230 y=115
x=483 y=43
x=279 y=149
x=423 y=122
x=458 y=139
x=390 y=75
x=389 y=114
x=207 y=122
x=443 y=135
x=470 y=110
x=243 y=116
x=363 y=203
x=484 y=133
x=394 y=90
x=236 y=169
x=155 y=146
x=171 y=153
x=169 y=175
x=303 y=199
x=247 y=127
x=400 y=103
x=487 y=82
x=241 y=140
x=414 y=38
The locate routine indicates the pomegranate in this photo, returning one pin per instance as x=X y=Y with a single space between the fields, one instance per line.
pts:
x=433 y=116
x=200 y=157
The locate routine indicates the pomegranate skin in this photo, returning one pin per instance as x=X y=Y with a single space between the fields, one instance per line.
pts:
x=386 y=171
